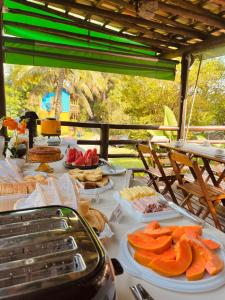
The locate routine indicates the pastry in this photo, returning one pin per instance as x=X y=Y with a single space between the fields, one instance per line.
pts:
x=93 y=216
x=44 y=154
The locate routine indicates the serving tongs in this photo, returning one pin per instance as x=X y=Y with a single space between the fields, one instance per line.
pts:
x=110 y=166
x=140 y=292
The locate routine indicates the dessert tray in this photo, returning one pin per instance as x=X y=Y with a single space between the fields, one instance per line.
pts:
x=179 y=283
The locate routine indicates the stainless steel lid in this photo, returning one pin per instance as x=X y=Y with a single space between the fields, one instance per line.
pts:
x=45 y=247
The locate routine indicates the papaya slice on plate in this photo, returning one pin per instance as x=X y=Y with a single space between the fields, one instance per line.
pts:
x=171 y=268
x=158 y=232
x=152 y=225
x=197 y=267
x=192 y=231
x=210 y=244
x=146 y=242
x=145 y=256
x=214 y=264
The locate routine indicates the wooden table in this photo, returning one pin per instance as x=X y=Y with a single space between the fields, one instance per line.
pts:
x=206 y=153
x=112 y=245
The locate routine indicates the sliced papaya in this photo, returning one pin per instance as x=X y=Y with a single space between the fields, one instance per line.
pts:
x=210 y=244
x=152 y=225
x=177 y=234
x=197 y=267
x=214 y=264
x=146 y=242
x=158 y=232
x=192 y=231
x=145 y=256
x=171 y=268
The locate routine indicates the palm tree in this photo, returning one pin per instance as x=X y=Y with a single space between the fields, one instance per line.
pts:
x=84 y=87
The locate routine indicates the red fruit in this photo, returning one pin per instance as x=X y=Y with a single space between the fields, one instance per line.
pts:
x=71 y=155
x=87 y=152
x=80 y=161
x=94 y=151
x=95 y=160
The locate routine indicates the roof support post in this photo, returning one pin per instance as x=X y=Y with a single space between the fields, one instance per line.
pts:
x=2 y=88
x=185 y=64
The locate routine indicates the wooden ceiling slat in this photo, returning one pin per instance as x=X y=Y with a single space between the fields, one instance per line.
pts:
x=177 y=10
x=220 y=2
x=130 y=8
x=202 y=46
x=188 y=5
x=171 y=25
x=120 y=17
x=88 y=25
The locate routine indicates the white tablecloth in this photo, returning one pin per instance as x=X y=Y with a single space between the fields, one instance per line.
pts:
x=106 y=205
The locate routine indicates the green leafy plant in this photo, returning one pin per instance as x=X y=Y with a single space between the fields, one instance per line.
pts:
x=169 y=120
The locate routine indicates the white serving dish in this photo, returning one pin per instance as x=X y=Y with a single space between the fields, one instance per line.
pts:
x=141 y=217
x=179 y=283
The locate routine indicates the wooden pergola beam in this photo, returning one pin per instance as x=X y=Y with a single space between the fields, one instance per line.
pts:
x=121 y=17
x=185 y=65
x=220 y=2
x=198 y=47
x=130 y=8
x=213 y=20
x=188 y=5
x=2 y=88
x=90 y=26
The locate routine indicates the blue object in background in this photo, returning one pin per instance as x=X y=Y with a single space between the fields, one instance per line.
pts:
x=48 y=98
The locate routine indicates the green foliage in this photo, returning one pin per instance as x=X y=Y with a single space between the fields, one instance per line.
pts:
x=169 y=120
x=122 y=99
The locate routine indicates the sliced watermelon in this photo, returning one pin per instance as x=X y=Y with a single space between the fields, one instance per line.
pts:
x=80 y=161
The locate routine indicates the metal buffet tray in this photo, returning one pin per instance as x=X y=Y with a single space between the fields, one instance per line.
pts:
x=38 y=246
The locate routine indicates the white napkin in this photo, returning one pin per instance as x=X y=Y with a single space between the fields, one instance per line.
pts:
x=9 y=171
x=57 y=192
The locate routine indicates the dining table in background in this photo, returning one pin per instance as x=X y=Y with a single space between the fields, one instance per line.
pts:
x=207 y=153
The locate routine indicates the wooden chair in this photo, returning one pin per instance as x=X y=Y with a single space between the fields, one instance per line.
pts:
x=156 y=172
x=207 y=194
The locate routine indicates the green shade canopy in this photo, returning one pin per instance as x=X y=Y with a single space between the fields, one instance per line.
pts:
x=33 y=36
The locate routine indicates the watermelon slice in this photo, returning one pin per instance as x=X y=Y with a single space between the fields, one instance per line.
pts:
x=80 y=161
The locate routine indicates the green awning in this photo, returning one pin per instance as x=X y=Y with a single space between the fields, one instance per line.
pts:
x=33 y=36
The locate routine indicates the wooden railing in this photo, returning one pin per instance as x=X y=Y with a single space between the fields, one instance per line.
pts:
x=104 y=142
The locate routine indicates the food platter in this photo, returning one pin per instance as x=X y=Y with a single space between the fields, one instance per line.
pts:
x=141 y=217
x=178 y=284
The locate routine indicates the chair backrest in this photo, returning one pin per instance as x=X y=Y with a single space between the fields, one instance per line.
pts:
x=147 y=149
x=142 y=150
x=181 y=158
x=178 y=161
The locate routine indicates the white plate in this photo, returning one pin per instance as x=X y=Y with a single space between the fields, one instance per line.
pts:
x=100 y=190
x=178 y=284
x=110 y=172
x=161 y=215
